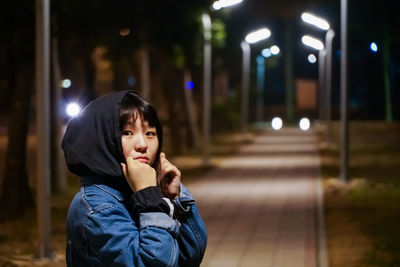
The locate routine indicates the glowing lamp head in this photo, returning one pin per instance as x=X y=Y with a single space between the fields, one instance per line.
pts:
x=66 y=83
x=266 y=52
x=73 y=110
x=374 y=47
x=275 y=50
x=304 y=124
x=257 y=36
x=312 y=58
x=276 y=123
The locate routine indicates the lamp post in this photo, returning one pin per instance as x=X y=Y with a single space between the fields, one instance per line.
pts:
x=326 y=84
x=318 y=45
x=207 y=87
x=344 y=132
x=207 y=25
x=251 y=38
x=265 y=53
x=43 y=125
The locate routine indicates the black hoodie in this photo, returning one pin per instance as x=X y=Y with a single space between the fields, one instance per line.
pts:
x=92 y=141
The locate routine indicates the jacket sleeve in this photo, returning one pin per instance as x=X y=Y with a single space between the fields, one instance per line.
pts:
x=192 y=237
x=118 y=240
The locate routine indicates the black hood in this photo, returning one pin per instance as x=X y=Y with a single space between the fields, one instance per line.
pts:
x=92 y=141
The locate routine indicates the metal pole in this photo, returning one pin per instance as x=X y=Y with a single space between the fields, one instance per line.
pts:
x=290 y=90
x=260 y=88
x=344 y=94
x=43 y=125
x=245 y=84
x=321 y=89
x=207 y=87
x=328 y=41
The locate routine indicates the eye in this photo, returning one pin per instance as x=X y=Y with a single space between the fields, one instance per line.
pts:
x=126 y=133
x=151 y=133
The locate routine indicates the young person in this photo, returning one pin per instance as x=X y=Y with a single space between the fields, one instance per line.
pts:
x=132 y=209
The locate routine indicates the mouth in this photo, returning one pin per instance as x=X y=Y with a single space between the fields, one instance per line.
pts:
x=143 y=159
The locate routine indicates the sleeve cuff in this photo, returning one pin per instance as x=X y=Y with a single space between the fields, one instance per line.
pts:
x=183 y=203
x=149 y=199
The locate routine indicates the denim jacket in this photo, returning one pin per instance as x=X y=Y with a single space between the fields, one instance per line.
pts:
x=102 y=232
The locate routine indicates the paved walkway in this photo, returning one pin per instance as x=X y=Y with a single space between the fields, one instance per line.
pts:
x=260 y=206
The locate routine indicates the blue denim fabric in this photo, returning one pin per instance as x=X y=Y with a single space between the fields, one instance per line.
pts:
x=102 y=232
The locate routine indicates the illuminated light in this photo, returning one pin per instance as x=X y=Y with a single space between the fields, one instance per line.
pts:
x=225 y=3
x=217 y=5
x=374 y=47
x=66 y=83
x=275 y=50
x=312 y=58
x=257 y=36
x=266 y=52
x=316 y=21
x=304 y=124
x=131 y=81
x=189 y=85
x=124 y=32
x=73 y=109
x=276 y=123
x=312 y=42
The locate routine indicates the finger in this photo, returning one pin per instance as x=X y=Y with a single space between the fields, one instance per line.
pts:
x=162 y=155
x=123 y=166
x=172 y=170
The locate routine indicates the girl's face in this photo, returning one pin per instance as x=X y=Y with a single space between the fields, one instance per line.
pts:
x=139 y=140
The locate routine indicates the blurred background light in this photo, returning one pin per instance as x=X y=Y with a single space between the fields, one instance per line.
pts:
x=131 y=81
x=304 y=124
x=66 y=83
x=217 y=5
x=266 y=52
x=275 y=50
x=374 y=47
x=258 y=35
x=189 y=85
x=276 y=123
x=312 y=42
x=312 y=58
x=124 y=32
x=73 y=109
x=316 y=21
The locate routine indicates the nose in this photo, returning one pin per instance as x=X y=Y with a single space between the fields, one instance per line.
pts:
x=140 y=144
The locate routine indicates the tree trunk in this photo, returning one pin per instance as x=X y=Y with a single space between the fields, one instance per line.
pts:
x=171 y=91
x=90 y=72
x=144 y=72
x=386 y=74
x=16 y=194
x=58 y=170
x=193 y=130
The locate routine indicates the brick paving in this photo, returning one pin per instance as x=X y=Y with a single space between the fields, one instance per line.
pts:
x=259 y=207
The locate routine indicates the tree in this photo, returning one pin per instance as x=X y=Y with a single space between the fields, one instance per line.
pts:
x=16 y=195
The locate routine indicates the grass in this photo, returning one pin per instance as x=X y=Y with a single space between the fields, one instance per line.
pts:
x=362 y=215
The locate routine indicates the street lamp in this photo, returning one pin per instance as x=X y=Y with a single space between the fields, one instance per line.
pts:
x=217 y=5
x=207 y=24
x=318 y=45
x=265 y=53
x=250 y=38
x=326 y=85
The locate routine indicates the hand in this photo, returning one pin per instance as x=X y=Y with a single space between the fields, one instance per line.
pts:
x=138 y=175
x=169 y=178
